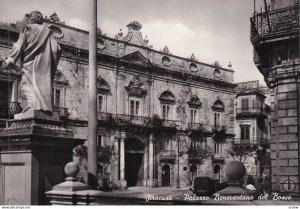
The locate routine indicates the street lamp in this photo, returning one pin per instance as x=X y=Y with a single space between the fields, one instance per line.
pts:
x=178 y=179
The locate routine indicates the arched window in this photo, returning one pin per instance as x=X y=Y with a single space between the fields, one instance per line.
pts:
x=218 y=109
x=102 y=91
x=167 y=100
x=194 y=105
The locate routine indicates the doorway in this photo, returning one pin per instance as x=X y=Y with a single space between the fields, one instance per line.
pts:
x=134 y=155
x=165 y=176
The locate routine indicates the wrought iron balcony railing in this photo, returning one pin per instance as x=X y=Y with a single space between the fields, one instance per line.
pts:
x=219 y=156
x=273 y=22
x=196 y=126
x=167 y=154
x=252 y=142
x=137 y=120
x=251 y=111
x=8 y=109
x=62 y=112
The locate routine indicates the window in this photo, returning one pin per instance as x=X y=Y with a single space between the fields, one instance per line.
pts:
x=245 y=103
x=165 y=145
x=166 y=111
x=100 y=102
x=99 y=141
x=193 y=115
x=134 y=107
x=218 y=149
x=58 y=97
x=245 y=132
x=217 y=119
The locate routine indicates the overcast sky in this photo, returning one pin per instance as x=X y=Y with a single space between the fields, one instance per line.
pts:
x=211 y=29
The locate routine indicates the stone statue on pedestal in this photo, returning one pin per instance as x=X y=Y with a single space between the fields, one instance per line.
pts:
x=38 y=53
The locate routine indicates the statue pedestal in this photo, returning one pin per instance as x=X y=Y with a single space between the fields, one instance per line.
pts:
x=33 y=152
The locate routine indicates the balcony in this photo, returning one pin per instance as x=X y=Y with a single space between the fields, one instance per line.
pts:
x=62 y=112
x=258 y=141
x=276 y=23
x=251 y=111
x=9 y=109
x=219 y=157
x=122 y=119
x=167 y=155
x=196 y=126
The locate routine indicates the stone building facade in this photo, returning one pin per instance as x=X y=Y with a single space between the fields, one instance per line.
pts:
x=252 y=126
x=275 y=37
x=152 y=105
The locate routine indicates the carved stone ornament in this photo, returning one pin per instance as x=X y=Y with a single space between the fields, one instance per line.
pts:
x=218 y=106
x=193 y=67
x=121 y=76
x=136 y=87
x=54 y=18
x=166 y=50
x=60 y=78
x=102 y=86
x=135 y=25
x=194 y=102
x=167 y=97
x=193 y=57
x=166 y=61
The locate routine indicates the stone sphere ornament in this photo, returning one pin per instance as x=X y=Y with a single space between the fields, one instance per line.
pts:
x=72 y=169
x=235 y=171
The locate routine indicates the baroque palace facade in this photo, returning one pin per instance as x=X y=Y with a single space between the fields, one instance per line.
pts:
x=152 y=105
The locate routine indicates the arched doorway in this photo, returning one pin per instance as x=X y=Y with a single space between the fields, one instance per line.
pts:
x=134 y=154
x=165 y=176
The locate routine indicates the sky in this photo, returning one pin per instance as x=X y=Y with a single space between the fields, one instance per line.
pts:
x=214 y=30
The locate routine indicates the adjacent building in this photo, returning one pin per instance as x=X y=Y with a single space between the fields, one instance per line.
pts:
x=275 y=38
x=252 y=126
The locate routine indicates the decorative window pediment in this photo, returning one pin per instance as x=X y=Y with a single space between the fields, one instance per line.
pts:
x=136 y=58
x=194 y=102
x=60 y=78
x=136 y=87
x=218 y=106
x=167 y=97
x=102 y=86
x=9 y=73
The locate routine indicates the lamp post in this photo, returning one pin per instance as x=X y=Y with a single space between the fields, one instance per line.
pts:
x=92 y=97
x=178 y=179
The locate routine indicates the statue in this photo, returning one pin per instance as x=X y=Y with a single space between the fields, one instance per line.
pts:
x=38 y=53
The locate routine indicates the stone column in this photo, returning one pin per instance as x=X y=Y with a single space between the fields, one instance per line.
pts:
x=151 y=182
x=122 y=162
x=146 y=164
x=116 y=163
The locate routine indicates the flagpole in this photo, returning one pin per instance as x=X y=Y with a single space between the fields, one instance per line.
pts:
x=92 y=100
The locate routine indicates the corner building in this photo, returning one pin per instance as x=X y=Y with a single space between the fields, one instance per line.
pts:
x=275 y=38
x=151 y=104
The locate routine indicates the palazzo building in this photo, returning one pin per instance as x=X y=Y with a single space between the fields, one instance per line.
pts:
x=152 y=105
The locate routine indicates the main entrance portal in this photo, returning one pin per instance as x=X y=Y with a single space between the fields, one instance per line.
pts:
x=134 y=154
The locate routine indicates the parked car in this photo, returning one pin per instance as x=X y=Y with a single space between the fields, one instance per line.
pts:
x=203 y=186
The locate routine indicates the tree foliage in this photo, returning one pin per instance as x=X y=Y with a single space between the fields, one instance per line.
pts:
x=197 y=155
x=240 y=153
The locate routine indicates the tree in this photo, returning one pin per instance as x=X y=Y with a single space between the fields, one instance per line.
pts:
x=197 y=155
x=240 y=153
